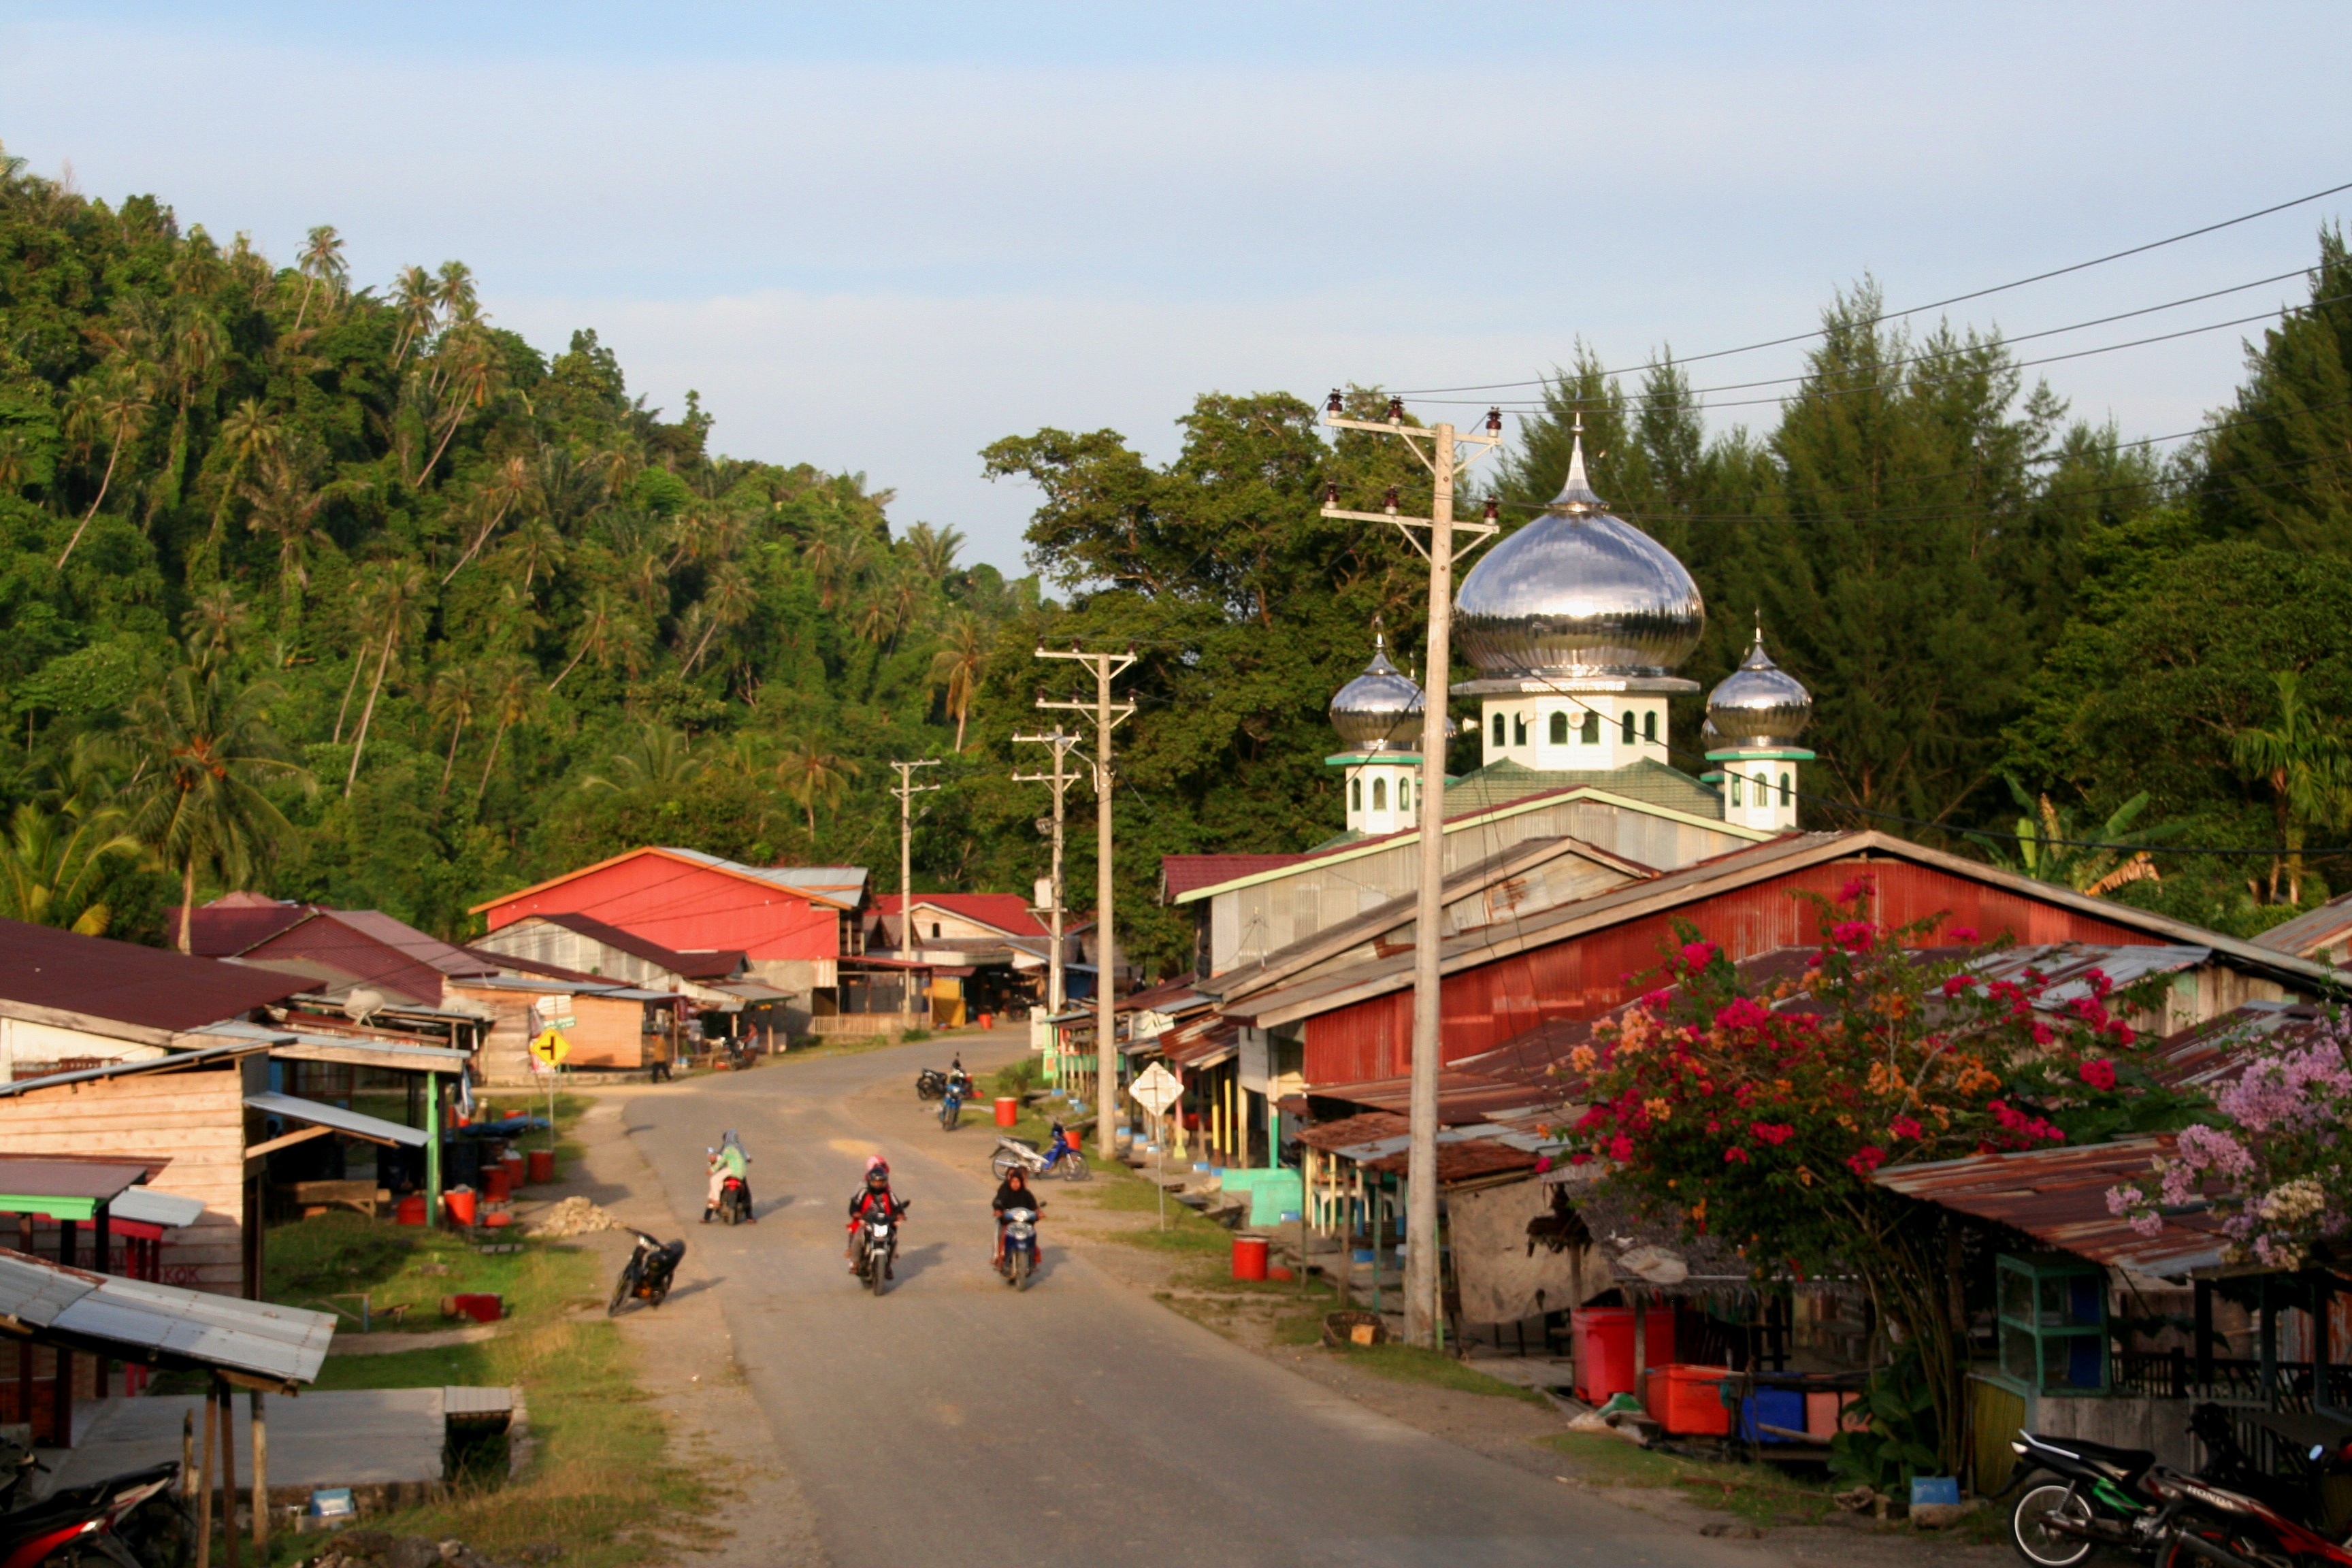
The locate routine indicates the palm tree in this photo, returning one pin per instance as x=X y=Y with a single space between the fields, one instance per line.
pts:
x=111 y=408
x=2308 y=769
x=205 y=750
x=467 y=367
x=398 y=589
x=51 y=865
x=321 y=262
x=659 y=758
x=194 y=342
x=510 y=685
x=286 y=507
x=450 y=698
x=415 y=299
x=214 y=623
x=932 y=549
x=605 y=628
x=957 y=667
x=536 y=546
x=809 y=771
x=725 y=604
x=246 y=434
x=509 y=486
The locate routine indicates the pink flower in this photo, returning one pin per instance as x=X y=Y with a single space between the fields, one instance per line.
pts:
x=1963 y=934
x=1713 y=1125
x=2099 y=982
x=1954 y=984
x=1767 y=1132
x=1698 y=954
x=1858 y=888
x=2100 y=1074
x=2042 y=1033
x=1621 y=1148
x=2123 y=1034
x=1903 y=1127
x=1580 y=1158
x=1855 y=936
x=1735 y=1155
x=1865 y=1160
x=1745 y=1013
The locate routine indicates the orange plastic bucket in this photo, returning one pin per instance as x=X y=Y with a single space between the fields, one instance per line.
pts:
x=411 y=1210
x=460 y=1205
x=1008 y=1110
x=495 y=1183
x=1249 y=1257
x=542 y=1164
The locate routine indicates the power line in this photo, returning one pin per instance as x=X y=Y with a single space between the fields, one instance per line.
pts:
x=1933 y=304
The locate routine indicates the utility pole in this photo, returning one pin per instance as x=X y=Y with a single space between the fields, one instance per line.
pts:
x=1423 y=1309
x=1057 y=983
x=1108 y=716
x=906 y=790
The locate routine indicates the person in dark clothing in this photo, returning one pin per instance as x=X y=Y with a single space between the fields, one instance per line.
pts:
x=873 y=1193
x=1013 y=1193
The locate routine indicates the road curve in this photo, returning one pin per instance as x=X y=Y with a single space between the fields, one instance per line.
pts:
x=953 y=1422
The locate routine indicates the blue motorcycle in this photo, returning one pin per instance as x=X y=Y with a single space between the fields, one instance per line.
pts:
x=1020 y=1260
x=959 y=1090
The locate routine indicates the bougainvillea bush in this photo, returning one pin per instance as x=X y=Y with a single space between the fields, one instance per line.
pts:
x=2273 y=1162
x=1755 y=1110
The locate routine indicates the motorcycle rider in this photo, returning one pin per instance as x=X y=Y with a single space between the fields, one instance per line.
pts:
x=729 y=1160
x=873 y=1193
x=1013 y=1193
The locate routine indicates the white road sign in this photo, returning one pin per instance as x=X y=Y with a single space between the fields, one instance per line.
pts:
x=1157 y=1089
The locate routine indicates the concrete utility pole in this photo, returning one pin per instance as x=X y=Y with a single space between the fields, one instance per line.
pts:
x=1057 y=994
x=1108 y=716
x=906 y=790
x=1423 y=1309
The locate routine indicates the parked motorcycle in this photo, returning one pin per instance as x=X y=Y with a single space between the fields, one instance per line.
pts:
x=131 y=1520
x=647 y=1275
x=734 y=1201
x=2096 y=1496
x=959 y=1090
x=930 y=1084
x=878 y=1246
x=2206 y=1522
x=1020 y=1259
x=1061 y=1158
x=17 y=1463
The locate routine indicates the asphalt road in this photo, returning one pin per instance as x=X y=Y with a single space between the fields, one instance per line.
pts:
x=954 y=1421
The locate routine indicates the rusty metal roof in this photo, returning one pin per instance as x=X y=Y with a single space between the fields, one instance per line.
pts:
x=120 y=981
x=1464 y=1161
x=2066 y=967
x=2058 y=1197
x=2208 y=1055
x=1462 y=1098
x=1348 y=1131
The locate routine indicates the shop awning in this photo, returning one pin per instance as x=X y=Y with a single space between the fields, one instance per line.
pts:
x=64 y=1189
x=146 y=1213
x=257 y=1343
x=333 y=1118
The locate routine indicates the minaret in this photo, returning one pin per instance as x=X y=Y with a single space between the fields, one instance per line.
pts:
x=1378 y=716
x=1753 y=721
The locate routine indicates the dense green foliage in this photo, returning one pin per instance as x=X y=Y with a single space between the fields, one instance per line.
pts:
x=468 y=614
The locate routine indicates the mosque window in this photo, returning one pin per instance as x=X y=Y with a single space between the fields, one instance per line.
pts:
x=1404 y=795
x=1560 y=728
x=1380 y=794
x=1734 y=788
x=1627 y=729
x=1518 y=729
x=1498 y=728
x=1355 y=794
x=1788 y=795
x=1591 y=736
x=1650 y=727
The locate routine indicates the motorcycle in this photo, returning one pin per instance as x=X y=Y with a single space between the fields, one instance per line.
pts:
x=735 y=1202
x=647 y=1275
x=930 y=1084
x=1061 y=1158
x=1020 y=1259
x=131 y=1520
x=878 y=1246
x=2206 y=1522
x=2099 y=1495
x=959 y=1090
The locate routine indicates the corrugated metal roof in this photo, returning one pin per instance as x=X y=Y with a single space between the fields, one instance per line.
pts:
x=41 y=966
x=295 y=1108
x=164 y=1322
x=2058 y=1197
x=206 y=1055
x=1462 y=1099
x=149 y=1207
x=221 y=928
x=2066 y=967
x=715 y=964
x=2208 y=1055
x=2313 y=931
x=1498 y=783
x=32 y=1176
x=1181 y=874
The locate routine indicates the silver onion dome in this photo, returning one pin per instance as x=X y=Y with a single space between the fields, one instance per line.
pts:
x=1380 y=710
x=1579 y=593
x=1760 y=704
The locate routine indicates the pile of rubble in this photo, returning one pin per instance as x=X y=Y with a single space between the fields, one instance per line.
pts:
x=382 y=1549
x=573 y=1216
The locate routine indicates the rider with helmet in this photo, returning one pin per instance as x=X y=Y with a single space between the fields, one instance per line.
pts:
x=872 y=1194
x=728 y=1159
x=1014 y=1192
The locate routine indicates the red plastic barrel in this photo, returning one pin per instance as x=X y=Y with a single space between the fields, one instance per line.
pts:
x=461 y=1206
x=495 y=1183
x=1603 y=1340
x=515 y=1166
x=988 y=1020
x=479 y=1305
x=1249 y=1257
x=411 y=1210
x=542 y=1164
x=1008 y=1110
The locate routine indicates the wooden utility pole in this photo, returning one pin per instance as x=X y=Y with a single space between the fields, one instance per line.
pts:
x=1061 y=778
x=906 y=790
x=1108 y=716
x=1423 y=1309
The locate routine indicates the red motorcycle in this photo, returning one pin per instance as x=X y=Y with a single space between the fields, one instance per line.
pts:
x=132 y=1520
x=2207 y=1523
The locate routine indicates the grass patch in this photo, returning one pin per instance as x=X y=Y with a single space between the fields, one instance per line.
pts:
x=1410 y=1364
x=1760 y=1494
x=309 y=1262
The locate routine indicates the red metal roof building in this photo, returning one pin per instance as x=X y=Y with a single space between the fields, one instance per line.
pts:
x=372 y=949
x=60 y=978
x=1008 y=913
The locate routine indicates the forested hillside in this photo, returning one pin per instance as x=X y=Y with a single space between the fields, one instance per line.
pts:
x=339 y=589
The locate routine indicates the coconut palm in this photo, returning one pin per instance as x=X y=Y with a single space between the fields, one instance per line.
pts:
x=213 y=624
x=535 y=547
x=108 y=406
x=467 y=375
x=417 y=300
x=320 y=264
x=246 y=434
x=53 y=863
x=397 y=588
x=510 y=486
x=509 y=687
x=957 y=667
x=2307 y=766
x=286 y=506
x=604 y=628
x=205 y=750
x=450 y=698
x=727 y=604
x=811 y=772
x=658 y=758
x=932 y=551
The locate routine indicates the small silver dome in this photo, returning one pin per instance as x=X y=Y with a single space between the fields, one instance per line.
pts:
x=1579 y=593
x=1380 y=710
x=1760 y=704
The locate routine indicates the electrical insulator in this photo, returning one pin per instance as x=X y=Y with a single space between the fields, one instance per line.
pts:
x=1333 y=407
x=1493 y=422
x=1332 y=493
x=1494 y=509
x=1396 y=410
x=1390 y=500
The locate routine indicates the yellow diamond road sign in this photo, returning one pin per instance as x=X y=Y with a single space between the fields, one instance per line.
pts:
x=550 y=1047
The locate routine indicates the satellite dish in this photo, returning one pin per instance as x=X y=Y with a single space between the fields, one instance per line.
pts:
x=1655 y=1263
x=364 y=1003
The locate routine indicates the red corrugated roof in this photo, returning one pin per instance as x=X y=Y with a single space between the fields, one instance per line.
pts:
x=713 y=965
x=145 y=986
x=1007 y=912
x=222 y=929
x=1179 y=873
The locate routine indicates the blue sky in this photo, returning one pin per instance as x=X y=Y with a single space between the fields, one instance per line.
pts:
x=878 y=237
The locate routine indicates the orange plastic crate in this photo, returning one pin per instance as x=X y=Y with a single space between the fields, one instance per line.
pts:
x=1687 y=1400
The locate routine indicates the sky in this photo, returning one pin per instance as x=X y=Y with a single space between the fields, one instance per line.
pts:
x=878 y=237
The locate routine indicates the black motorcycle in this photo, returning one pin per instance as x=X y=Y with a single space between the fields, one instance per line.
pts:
x=878 y=1246
x=734 y=1201
x=930 y=1084
x=647 y=1275
x=131 y=1520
